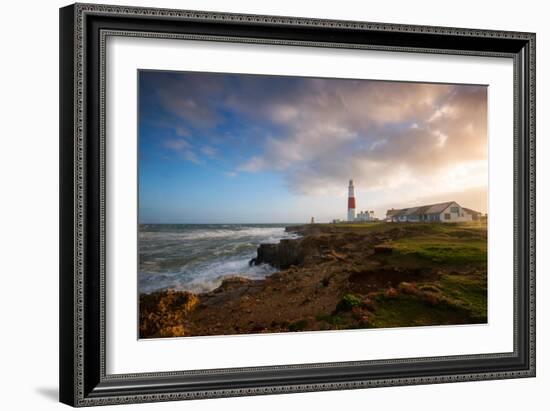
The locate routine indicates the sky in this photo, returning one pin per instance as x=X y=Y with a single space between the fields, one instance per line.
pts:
x=238 y=148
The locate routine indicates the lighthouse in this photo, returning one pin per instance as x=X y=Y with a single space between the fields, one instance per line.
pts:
x=351 y=201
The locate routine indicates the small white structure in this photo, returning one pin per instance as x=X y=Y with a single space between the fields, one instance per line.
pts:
x=449 y=212
x=365 y=216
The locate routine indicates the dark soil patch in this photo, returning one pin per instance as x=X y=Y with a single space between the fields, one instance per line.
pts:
x=363 y=282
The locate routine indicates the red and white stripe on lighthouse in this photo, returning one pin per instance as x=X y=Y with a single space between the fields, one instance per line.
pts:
x=351 y=201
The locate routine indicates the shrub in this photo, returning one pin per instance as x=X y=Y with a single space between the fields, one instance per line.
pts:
x=348 y=301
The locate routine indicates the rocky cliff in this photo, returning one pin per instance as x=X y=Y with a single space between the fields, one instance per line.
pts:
x=282 y=255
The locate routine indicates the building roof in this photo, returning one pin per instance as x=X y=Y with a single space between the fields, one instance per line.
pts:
x=470 y=211
x=425 y=209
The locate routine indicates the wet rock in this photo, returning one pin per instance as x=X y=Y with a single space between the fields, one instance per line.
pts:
x=282 y=255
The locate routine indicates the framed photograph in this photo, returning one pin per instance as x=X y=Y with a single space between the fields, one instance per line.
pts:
x=262 y=204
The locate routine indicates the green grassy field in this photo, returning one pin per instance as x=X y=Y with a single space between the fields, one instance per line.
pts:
x=455 y=292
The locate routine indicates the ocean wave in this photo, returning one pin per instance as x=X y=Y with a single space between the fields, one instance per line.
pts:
x=198 y=258
x=269 y=233
x=205 y=278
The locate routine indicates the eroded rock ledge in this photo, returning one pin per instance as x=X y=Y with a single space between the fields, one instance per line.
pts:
x=286 y=253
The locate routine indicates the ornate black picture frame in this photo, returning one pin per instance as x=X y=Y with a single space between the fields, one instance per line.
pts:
x=83 y=30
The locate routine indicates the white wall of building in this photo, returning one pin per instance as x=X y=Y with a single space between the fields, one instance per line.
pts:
x=456 y=214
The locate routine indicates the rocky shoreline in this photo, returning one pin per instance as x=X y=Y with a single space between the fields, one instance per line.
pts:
x=331 y=277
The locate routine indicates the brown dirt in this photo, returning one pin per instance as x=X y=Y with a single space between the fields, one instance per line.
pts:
x=329 y=263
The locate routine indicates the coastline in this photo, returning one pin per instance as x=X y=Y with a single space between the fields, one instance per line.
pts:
x=196 y=257
x=343 y=276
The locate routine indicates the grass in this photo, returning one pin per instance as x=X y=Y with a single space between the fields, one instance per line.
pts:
x=454 y=299
x=374 y=226
x=349 y=301
x=468 y=291
x=457 y=293
x=447 y=245
x=421 y=227
x=443 y=250
x=409 y=310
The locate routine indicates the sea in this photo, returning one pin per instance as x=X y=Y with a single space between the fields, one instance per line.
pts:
x=197 y=257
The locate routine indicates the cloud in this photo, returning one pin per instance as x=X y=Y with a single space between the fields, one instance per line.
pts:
x=185 y=98
x=378 y=133
x=209 y=151
x=182 y=131
x=183 y=148
x=176 y=144
x=253 y=165
x=191 y=157
x=388 y=136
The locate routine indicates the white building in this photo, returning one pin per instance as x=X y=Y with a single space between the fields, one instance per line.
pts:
x=365 y=216
x=449 y=212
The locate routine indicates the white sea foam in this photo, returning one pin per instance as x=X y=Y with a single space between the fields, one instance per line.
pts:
x=269 y=234
x=197 y=259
